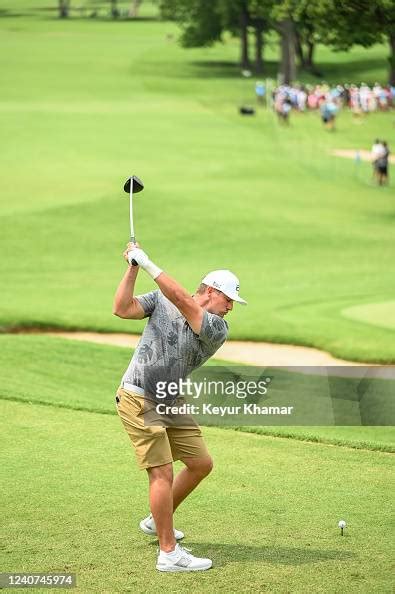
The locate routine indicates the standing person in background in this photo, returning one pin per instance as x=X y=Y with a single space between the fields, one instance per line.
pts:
x=382 y=165
x=260 y=91
x=364 y=94
x=286 y=108
x=302 y=99
x=328 y=113
x=355 y=105
x=377 y=152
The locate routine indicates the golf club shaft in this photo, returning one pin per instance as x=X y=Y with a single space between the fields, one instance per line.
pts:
x=132 y=236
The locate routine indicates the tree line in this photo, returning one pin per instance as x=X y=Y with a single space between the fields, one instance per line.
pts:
x=300 y=24
x=64 y=7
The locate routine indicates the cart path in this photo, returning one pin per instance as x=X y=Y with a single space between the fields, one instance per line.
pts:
x=250 y=353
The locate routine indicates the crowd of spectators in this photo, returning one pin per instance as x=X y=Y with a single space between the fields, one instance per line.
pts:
x=360 y=99
x=328 y=100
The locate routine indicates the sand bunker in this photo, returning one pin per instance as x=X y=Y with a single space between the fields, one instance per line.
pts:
x=250 y=353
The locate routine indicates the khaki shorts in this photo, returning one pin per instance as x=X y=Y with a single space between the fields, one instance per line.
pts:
x=155 y=445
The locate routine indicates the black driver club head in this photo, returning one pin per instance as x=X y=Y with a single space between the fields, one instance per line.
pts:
x=138 y=185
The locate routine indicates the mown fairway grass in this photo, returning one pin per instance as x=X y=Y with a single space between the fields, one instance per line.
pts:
x=267 y=515
x=85 y=103
x=83 y=376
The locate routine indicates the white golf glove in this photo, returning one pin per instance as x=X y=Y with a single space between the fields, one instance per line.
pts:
x=144 y=262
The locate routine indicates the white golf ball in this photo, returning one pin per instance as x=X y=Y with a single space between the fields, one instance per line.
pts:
x=342 y=524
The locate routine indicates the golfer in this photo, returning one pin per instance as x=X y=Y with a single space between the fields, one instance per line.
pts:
x=182 y=332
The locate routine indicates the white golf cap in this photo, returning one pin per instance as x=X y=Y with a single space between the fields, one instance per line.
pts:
x=226 y=282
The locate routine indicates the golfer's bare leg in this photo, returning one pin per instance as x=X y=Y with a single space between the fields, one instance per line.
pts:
x=161 y=504
x=184 y=483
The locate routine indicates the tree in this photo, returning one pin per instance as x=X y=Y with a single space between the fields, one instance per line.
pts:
x=339 y=24
x=241 y=16
x=261 y=21
x=134 y=8
x=301 y=24
x=343 y=23
x=64 y=9
x=288 y=66
x=235 y=18
x=391 y=59
x=114 y=9
x=310 y=26
x=199 y=20
x=283 y=14
x=304 y=17
x=203 y=22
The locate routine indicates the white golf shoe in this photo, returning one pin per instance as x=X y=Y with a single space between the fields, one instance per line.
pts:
x=181 y=560
x=148 y=527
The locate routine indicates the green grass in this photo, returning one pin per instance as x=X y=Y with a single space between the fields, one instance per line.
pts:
x=377 y=314
x=73 y=499
x=84 y=376
x=360 y=438
x=87 y=102
x=73 y=495
x=59 y=373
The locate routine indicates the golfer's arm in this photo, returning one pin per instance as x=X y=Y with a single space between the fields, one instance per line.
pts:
x=182 y=300
x=125 y=305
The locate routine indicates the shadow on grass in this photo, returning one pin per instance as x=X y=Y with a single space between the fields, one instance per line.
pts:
x=223 y=554
x=350 y=71
x=382 y=217
x=85 y=15
x=5 y=13
x=228 y=69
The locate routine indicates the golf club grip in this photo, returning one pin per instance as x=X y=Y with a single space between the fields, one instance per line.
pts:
x=133 y=240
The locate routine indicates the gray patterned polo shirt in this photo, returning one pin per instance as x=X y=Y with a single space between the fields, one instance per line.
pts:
x=169 y=350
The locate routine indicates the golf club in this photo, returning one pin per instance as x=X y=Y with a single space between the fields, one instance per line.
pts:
x=133 y=185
